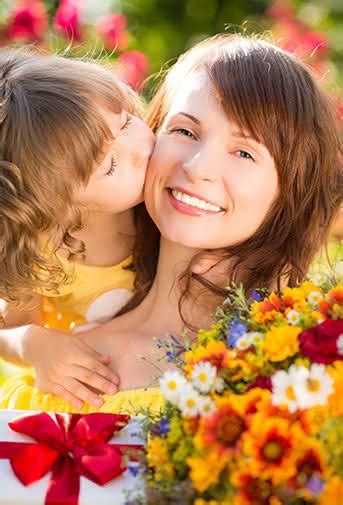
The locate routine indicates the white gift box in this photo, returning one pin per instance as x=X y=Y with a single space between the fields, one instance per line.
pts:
x=116 y=492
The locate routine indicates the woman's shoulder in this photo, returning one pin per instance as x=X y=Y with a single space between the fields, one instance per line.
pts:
x=21 y=394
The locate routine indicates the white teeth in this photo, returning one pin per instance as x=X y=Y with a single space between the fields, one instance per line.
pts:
x=194 y=202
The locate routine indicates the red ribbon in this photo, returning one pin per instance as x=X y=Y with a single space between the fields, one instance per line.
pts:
x=76 y=445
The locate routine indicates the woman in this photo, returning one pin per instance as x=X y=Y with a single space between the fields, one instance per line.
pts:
x=226 y=186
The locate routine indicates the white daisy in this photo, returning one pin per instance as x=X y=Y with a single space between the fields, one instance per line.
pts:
x=243 y=343
x=293 y=317
x=171 y=385
x=318 y=279
x=189 y=401
x=255 y=337
x=206 y=406
x=314 y=388
x=314 y=298
x=219 y=385
x=339 y=344
x=203 y=376
x=283 y=387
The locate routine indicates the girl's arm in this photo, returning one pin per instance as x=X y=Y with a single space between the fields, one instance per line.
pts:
x=64 y=364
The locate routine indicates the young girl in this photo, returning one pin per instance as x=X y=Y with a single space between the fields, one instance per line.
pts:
x=73 y=157
x=245 y=171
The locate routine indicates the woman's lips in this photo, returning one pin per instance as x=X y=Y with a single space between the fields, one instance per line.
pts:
x=191 y=210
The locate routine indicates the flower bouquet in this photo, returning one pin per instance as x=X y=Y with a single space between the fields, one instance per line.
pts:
x=255 y=414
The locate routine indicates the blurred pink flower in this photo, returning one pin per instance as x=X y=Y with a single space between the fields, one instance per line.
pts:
x=281 y=9
x=340 y=112
x=67 y=19
x=287 y=32
x=28 y=21
x=312 y=40
x=133 y=68
x=113 y=32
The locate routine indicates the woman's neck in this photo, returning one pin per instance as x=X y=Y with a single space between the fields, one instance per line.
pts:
x=108 y=238
x=158 y=314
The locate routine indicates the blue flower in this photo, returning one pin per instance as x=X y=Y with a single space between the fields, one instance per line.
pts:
x=164 y=426
x=161 y=427
x=256 y=296
x=236 y=331
x=171 y=355
x=133 y=468
x=315 y=485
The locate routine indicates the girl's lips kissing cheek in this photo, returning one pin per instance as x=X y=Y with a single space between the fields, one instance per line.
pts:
x=187 y=203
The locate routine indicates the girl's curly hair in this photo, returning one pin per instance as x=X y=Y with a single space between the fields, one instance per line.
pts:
x=52 y=133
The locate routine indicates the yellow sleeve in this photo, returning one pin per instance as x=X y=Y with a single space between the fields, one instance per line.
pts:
x=19 y=393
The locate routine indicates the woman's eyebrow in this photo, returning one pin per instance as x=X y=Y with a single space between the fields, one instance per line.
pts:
x=192 y=118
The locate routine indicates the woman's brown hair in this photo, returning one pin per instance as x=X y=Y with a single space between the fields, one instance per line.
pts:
x=51 y=135
x=273 y=97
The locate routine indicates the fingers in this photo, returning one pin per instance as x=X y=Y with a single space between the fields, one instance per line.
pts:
x=93 y=379
x=66 y=395
x=92 y=360
x=75 y=389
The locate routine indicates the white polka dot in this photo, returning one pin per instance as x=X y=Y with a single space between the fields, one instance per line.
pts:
x=107 y=305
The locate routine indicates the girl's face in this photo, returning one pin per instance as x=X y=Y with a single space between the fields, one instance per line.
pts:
x=116 y=184
x=208 y=184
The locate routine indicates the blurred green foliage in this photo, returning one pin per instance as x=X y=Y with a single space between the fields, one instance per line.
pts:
x=163 y=29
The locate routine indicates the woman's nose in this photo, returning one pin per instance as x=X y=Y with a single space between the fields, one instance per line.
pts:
x=199 y=167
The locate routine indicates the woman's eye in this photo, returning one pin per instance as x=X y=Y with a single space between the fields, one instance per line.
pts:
x=112 y=168
x=245 y=154
x=184 y=132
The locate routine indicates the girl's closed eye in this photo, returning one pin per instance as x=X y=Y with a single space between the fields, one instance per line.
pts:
x=112 y=167
x=127 y=123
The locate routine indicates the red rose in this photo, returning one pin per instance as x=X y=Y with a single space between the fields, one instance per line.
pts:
x=261 y=382
x=320 y=343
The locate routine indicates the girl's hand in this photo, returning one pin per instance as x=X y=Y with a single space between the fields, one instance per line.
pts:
x=68 y=367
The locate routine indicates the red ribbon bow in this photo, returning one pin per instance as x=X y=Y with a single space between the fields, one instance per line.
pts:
x=76 y=445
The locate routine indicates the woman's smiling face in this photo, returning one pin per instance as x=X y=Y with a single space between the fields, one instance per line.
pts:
x=208 y=184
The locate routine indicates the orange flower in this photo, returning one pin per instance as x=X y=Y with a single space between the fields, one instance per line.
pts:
x=268 y=310
x=252 y=401
x=309 y=464
x=252 y=490
x=336 y=294
x=221 y=430
x=215 y=352
x=333 y=492
x=205 y=469
x=272 y=444
x=323 y=306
